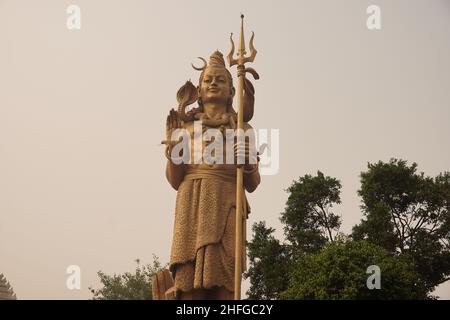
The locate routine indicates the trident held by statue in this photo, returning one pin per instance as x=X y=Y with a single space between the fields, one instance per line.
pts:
x=240 y=61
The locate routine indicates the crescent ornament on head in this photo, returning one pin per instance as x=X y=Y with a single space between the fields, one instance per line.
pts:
x=200 y=68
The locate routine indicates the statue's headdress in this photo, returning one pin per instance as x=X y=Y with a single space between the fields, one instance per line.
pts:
x=216 y=61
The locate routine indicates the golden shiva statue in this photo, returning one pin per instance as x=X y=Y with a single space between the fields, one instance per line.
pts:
x=211 y=207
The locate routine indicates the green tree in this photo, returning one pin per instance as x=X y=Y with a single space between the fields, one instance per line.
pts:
x=309 y=220
x=408 y=213
x=128 y=286
x=339 y=272
x=309 y=223
x=269 y=264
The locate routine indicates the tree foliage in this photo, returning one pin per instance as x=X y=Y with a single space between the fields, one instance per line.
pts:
x=339 y=272
x=269 y=264
x=408 y=213
x=129 y=285
x=309 y=220
x=405 y=230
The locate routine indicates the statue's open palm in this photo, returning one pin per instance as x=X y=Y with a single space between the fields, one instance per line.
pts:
x=173 y=122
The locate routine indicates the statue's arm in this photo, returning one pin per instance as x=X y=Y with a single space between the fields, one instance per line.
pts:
x=175 y=173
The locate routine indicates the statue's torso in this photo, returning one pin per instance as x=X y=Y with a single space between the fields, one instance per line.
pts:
x=199 y=151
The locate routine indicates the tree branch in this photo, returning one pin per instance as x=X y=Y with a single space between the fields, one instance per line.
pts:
x=326 y=222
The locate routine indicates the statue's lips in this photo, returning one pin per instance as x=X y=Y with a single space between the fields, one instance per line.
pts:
x=214 y=90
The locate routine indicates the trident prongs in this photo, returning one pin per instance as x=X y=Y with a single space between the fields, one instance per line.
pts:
x=230 y=58
x=253 y=51
x=241 y=58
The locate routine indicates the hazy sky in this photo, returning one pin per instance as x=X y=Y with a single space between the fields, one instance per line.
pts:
x=82 y=112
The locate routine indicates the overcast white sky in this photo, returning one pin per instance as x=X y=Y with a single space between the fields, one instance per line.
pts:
x=82 y=112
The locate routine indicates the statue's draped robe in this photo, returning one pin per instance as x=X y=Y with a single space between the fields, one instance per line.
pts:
x=203 y=249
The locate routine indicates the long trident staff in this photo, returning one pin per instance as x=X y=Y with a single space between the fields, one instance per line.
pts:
x=240 y=61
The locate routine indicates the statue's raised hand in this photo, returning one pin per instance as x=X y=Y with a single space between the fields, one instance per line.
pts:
x=173 y=122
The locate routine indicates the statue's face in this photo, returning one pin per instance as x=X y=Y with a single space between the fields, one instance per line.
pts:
x=215 y=86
